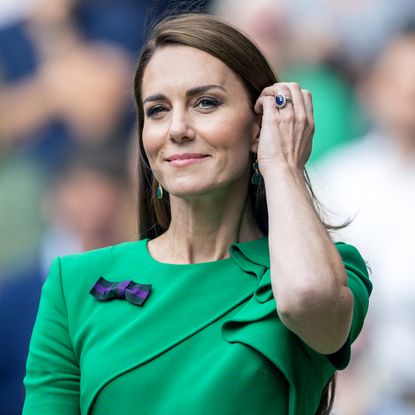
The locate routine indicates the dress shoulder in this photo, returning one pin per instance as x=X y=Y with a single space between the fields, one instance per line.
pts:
x=62 y=329
x=361 y=287
x=258 y=325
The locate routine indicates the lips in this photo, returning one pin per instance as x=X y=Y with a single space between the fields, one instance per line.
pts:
x=186 y=156
x=186 y=159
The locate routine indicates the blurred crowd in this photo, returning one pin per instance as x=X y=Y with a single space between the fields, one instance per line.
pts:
x=68 y=154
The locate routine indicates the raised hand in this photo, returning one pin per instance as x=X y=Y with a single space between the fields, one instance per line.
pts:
x=286 y=132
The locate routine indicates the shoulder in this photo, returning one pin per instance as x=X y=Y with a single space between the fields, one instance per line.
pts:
x=77 y=271
x=114 y=255
x=351 y=254
x=356 y=267
x=257 y=251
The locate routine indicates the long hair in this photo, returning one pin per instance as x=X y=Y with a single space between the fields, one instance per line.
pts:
x=243 y=57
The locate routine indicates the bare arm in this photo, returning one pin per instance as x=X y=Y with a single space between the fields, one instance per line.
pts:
x=308 y=277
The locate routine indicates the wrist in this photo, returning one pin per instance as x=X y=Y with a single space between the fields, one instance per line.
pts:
x=271 y=169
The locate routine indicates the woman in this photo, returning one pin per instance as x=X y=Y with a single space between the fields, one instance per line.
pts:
x=198 y=323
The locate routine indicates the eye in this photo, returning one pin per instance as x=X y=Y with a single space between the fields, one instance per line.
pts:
x=154 y=111
x=207 y=103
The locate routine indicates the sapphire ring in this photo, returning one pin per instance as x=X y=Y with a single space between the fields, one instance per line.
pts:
x=281 y=101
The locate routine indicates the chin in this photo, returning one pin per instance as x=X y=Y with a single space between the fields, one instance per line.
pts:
x=192 y=189
x=197 y=187
x=186 y=193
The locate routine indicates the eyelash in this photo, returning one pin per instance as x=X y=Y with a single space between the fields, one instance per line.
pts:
x=154 y=111
x=212 y=102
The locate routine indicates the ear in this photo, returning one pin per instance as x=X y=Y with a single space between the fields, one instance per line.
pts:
x=256 y=131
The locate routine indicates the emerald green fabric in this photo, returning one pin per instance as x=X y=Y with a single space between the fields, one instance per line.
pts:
x=207 y=340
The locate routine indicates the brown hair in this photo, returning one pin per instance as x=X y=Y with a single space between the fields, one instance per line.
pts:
x=243 y=57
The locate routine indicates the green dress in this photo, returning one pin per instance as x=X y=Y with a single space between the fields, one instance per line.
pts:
x=207 y=340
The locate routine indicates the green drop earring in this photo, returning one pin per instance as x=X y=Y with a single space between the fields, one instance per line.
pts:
x=257 y=177
x=159 y=192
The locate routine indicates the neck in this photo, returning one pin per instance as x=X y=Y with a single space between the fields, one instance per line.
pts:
x=203 y=227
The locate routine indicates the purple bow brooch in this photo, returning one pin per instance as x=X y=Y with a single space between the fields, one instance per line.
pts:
x=133 y=292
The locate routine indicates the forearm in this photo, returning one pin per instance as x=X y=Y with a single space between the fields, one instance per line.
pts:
x=308 y=277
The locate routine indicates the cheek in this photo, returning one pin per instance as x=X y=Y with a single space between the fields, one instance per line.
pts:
x=237 y=135
x=234 y=147
x=151 y=142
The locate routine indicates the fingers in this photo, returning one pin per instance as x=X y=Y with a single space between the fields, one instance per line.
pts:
x=308 y=104
x=286 y=132
x=296 y=108
x=268 y=108
x=301 y=107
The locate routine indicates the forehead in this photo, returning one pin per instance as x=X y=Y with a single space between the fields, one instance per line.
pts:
x=184 y=67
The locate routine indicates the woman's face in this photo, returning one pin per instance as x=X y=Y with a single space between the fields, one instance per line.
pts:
x=199 y=127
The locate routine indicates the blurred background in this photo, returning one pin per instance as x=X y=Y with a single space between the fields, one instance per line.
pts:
x=68 y=154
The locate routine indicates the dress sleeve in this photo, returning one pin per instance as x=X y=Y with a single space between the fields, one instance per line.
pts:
x=361 y=288
x=52 y=380
x=258 y=326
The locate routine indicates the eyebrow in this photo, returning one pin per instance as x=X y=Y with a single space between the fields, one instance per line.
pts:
x=189 y=93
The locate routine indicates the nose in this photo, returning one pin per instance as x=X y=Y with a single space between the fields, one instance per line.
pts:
x=180 y=128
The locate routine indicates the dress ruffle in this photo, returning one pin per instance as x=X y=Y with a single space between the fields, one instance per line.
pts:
x=257 y=325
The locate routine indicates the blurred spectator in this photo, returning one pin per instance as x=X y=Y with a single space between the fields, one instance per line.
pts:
x=373 y=181
x=19 y=298
x=21 y=187
x=66 y=70
x=350 y=31
x=120 y=23
x=331 y=43
x=272 y=25
x=65 y=114
x=264 y=21
x=59 y=91
x=12 y=11
x=75 y=91
x=90 y=205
